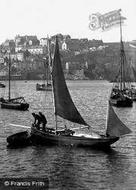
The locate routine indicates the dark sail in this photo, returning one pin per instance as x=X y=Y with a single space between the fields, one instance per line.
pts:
x=64 y=106
x=115 y=127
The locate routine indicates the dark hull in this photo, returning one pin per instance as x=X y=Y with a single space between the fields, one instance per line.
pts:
x=19 y=139
x=2 y=85
x=15 y=106
x=134 y=97
x=121 y=102
x=43 y=87
x=40 y=137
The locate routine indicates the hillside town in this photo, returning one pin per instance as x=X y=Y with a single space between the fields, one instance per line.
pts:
x=81 y=58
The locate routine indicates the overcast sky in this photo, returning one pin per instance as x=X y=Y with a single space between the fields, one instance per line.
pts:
x=42 y=17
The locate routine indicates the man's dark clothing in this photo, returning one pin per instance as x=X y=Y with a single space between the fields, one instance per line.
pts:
x=37 y=118
x=43 y=119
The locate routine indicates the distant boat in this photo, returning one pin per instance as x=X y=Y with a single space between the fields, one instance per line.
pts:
x=133 y=92
x=46 y=85
x=64 y=108
x=2 y=85
x=43 y=87
x=18 y=103
x=120 y=94
x=133 y=86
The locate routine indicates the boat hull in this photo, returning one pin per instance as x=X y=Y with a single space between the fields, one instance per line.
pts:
x=43 y=87
x=134 y=97
x=19 y=139
x=15 y=106
x=2 y=85
x=121 y=102
x=41 y=137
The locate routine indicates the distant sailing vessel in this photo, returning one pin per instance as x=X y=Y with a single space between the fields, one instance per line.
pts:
x=18 y=103
x=2 y=85
x=46 y=86
x=120 y=94
x=65 y=109
x=43 y=87
x=133 y=86
x=133 y=92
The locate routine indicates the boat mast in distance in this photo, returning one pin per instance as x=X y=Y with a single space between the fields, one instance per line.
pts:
x=120 y=95
x=47 y=74
x=18 y=103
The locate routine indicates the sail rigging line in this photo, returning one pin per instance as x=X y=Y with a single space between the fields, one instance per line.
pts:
x=15 y=89
x=123 y=67
x=123 y=60
x=46 y=92
x=121 y=63
x=9 y=76
x=9 y=80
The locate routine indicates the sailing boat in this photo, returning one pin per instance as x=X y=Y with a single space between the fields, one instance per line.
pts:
x=47 y=63
x=120 y=95
x=64 y=107
x=2 y=85
x=18 y=103
x=47 y=86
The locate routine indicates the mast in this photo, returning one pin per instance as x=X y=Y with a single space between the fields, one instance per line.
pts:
x=51 y=66
x=47 y=73
x=122 y=81
x=9 y=76
x=48 y=60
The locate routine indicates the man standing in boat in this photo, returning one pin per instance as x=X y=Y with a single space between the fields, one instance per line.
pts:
x=43 y=120
x=37 y=120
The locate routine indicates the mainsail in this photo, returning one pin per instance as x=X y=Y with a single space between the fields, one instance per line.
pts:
x=115 y=127
x=64 y=106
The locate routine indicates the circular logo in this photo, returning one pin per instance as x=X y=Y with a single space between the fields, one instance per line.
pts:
x=6 y=183
x=94 y=22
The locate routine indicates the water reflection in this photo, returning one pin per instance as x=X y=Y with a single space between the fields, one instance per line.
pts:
x=73 y=168
x=76 y=168
x=117 y=165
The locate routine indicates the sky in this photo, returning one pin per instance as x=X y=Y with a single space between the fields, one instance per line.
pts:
x=49 y=17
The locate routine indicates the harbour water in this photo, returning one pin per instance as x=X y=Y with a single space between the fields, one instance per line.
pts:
x=70 y=168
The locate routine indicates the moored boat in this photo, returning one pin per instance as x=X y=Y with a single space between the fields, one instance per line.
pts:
x=43 y=87
x=120 y=99
x=2 y=85
x=47 y=64
x=120 y=96
x=18 y=103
